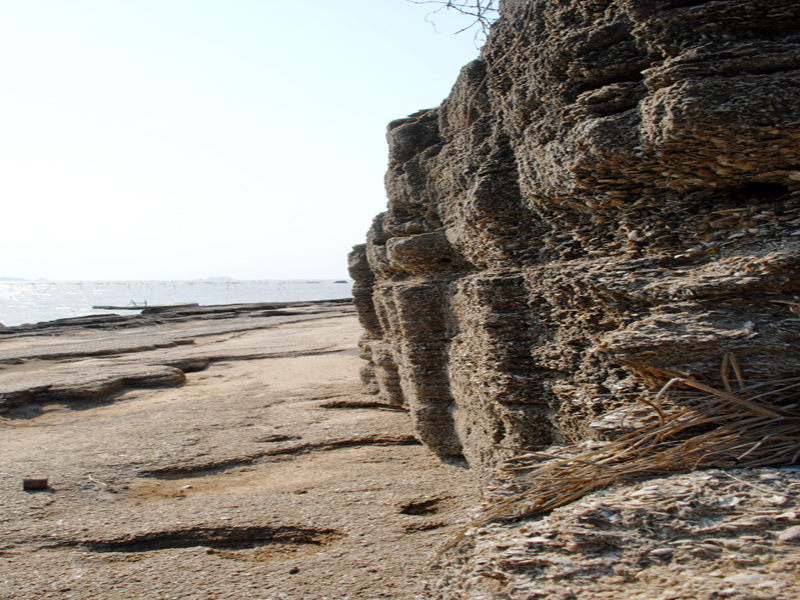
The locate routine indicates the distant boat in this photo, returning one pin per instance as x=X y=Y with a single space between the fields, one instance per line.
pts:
x=341 y=281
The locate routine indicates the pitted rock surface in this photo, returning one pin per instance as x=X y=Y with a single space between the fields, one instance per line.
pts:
x=609 y=196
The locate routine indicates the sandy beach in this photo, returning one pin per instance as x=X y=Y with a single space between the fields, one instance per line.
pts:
x=217 y=455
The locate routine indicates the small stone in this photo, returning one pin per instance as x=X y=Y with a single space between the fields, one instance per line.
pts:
x=35 y=483
x=744 y=577
x=790 y=535
x=772 y=584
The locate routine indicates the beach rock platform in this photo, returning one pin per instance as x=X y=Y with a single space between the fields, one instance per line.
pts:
x=225 y=453
x=204 y=458
x=705 y=535
x=90 y=358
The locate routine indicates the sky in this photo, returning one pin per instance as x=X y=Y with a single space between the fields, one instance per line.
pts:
x=186 y=139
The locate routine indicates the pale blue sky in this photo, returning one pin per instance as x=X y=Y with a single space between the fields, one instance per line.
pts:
x=181 y=139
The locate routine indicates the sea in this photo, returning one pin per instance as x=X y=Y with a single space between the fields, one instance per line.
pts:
x=36 y=301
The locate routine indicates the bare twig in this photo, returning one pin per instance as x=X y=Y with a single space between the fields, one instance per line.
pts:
x=483 y=12
x=97 y=481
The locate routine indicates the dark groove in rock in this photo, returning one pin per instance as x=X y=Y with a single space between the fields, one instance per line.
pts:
x=427 y=506
x=320 y=352
x=216 y=467
x=353 y=404
x=218 y=538
x=272 y=439
x=427 y=526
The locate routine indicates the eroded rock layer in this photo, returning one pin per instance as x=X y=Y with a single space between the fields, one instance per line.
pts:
x=609 y=196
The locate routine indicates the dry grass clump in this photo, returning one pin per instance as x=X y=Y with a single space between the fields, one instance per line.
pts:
x=755 y=425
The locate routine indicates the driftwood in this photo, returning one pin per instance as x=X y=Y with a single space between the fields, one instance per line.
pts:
x=145 y=305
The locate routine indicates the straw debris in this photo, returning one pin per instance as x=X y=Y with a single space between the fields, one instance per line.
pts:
x=756 y=425
x=599 y=519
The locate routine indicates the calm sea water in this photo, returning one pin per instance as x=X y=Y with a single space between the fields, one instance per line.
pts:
x=33 y=302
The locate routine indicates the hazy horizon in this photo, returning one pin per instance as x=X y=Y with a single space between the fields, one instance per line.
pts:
x=175 y=141
x=216 y=279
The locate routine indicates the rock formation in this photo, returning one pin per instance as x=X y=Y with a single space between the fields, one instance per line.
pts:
x=610 y=195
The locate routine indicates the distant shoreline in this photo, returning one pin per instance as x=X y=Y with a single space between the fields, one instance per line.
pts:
x=162 y=281
x=158 y=315
x=24 y=302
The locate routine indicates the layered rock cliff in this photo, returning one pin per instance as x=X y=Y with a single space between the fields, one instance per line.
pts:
x=609 y=196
